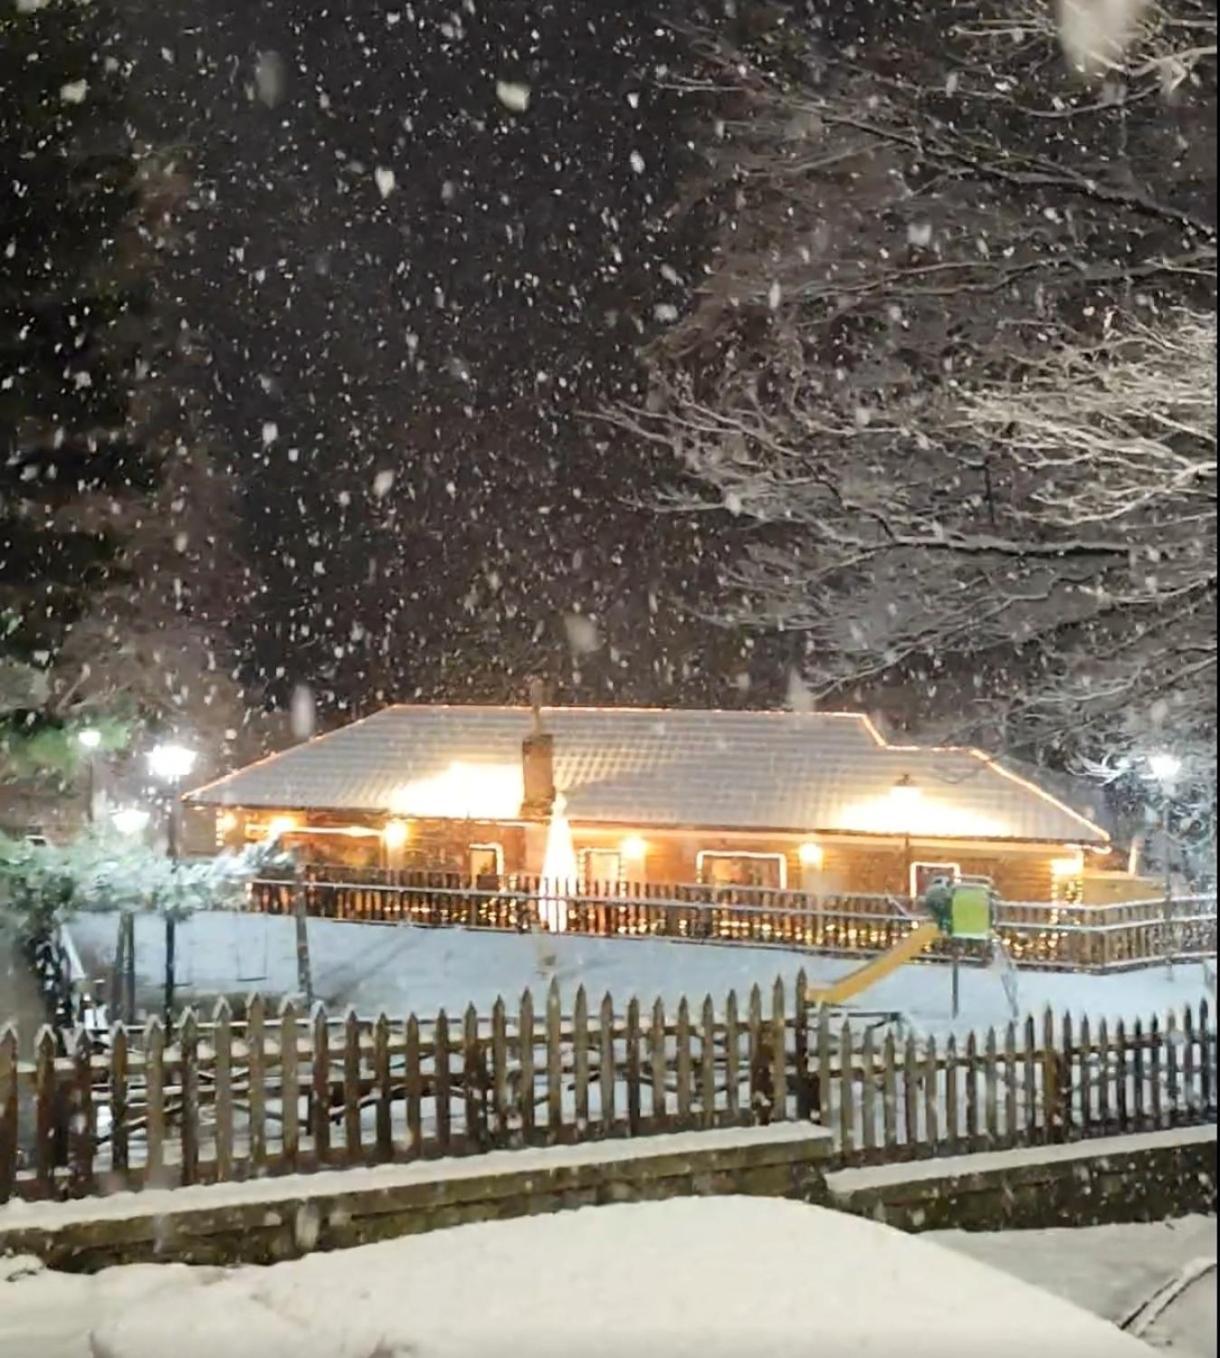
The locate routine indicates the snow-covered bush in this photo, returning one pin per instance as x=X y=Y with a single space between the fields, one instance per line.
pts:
x=42 y=884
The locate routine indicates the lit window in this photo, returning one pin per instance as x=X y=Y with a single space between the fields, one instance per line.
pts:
x=486 y=860
x=742 y=869
x=601 y=867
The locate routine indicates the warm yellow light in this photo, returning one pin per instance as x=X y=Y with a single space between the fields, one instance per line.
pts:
x=463 y=792
x=811 y=855
x=395 y=834
x=226 y=822
x=279 y=826
x=1067 y=867
x=904 y=792
x=633 y=847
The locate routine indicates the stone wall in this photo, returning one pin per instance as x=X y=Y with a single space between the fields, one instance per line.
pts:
x=267 y=1220
x=1147 y=1177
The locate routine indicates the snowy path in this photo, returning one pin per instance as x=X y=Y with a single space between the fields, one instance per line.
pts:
x=1111 y=1270
x=402 y=969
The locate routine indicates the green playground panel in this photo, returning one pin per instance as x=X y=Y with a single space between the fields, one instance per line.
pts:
x=970 y=912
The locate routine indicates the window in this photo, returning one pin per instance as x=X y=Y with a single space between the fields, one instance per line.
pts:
x=742 y=869
x=601 y=867
x=922 y=874
x=486 y=860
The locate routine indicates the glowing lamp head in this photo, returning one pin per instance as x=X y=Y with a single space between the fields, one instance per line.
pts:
x=811 y=855
x=633 y=848
x=90 y=738
x=171 y=762
x=226 y=822
x=129 y=820
x=395 y=834
x=1165 y=767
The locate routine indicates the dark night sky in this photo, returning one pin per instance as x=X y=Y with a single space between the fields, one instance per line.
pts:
x=448 y=333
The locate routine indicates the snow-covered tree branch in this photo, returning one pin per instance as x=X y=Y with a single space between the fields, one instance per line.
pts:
x=954 y=374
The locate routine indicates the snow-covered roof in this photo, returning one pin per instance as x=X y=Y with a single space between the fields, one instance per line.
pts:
x=807 y=772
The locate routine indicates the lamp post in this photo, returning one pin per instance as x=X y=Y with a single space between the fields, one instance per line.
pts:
x=1165 y=768
x=90 y=740
x=171 y=764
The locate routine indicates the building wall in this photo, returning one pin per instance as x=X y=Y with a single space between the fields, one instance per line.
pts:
x=849 y=866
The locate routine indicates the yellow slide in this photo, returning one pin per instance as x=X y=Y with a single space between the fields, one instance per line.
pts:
x=878 y=968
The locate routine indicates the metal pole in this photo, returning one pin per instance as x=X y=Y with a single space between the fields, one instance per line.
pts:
x=1165 y=849
x=91 y=790
x=170 y=921
x=304 y=970
x=956 y=969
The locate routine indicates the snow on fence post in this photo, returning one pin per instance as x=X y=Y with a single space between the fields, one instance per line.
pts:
x=825 y=1102
x=385 y=1089
x=606 y=1074
x=800 y=1047
x=290 y=1085
x=154 y=1102
x=847 y=1075
x=499 y=1073
x=525 y=1066
x=1156 y=1053
x=413 y=1084
x=1188 y=1061
x=119 y=1104
x=632 y=1067
x=991 y=1076
x=442 y=1085
x=973 y=1127
x=188 y=1047
x=580 y=1059
x=659 y=1107
x=707 y=1063
x=931 y=1111
x=222 y=1075
x=354 y=1151
x=319 y=1098
x=256 y=1033
x=83 y=1123
x=1140 y=1109
x=554 y=1065
x=952 y=1116
x=868 y=1096
x=732 y=1061
x=8 y=1111
x=683 y=1064
x=779 y=1054
x=474 y=1082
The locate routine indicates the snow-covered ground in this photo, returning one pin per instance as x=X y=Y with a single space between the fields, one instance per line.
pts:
x=402 y=969
x=1112 y=1270
x=709 y=1277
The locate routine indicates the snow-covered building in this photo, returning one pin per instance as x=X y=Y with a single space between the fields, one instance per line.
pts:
x=812 y=801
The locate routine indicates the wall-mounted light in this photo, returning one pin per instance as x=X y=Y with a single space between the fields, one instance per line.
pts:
x=90 y=737
x=1067 y=867
x=633 y=848
x=226 y=822
x=395 y=834
x=279 y=826
x=811 y=855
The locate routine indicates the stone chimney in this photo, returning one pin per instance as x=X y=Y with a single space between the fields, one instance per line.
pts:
x=538 y=763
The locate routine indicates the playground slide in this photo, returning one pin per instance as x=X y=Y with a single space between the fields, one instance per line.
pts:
x=879 y=967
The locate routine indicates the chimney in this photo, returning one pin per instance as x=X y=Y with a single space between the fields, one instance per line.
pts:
x=538 y=763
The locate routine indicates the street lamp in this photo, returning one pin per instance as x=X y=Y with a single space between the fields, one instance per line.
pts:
x=1165 y=768
x=171 y=763
x=90 y=740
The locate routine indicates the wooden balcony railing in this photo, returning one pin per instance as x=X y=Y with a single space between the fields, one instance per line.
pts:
x=1035 y=934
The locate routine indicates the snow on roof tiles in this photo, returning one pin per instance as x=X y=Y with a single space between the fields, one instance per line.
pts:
x=805 y=772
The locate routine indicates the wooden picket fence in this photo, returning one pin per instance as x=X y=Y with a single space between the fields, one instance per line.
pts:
x=1034 y=933
x=240 y=1097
